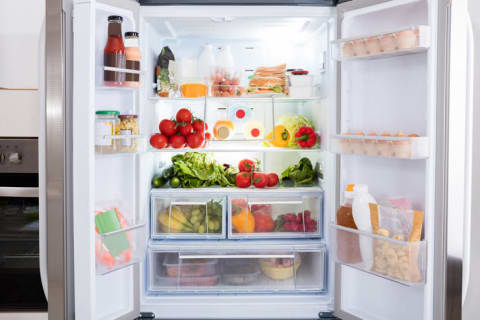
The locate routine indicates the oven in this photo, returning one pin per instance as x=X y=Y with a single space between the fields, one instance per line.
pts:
x=21 y=287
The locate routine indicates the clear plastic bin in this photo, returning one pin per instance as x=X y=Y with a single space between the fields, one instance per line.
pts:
x=276 y=216
x=259 y=270
x=391 y=43
x=119 y=249
x=189 y=216
x=397 y=260
x=393 y=147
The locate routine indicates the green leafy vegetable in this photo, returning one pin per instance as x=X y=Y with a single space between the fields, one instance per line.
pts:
x=198 y=170
x=301 y=174
x=293 y=122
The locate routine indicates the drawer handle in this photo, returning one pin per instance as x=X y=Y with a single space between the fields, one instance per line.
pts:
x=236 y=256
x=275 y=202
x=187 y=203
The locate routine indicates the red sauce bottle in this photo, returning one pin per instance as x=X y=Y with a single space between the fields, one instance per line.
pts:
x=114 y=53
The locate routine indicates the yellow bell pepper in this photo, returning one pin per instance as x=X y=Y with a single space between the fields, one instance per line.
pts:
x=281 y=136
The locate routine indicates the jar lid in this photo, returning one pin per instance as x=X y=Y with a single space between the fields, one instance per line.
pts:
x=131 y=34
x=128 y=116
x=299 y=72
x=115 y=18
x=108 y=112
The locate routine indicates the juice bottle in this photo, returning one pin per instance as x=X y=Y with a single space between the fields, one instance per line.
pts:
x=114 y=53
x=133 y=57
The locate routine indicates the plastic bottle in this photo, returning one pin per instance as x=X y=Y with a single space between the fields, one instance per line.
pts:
x=206 y=62
x=361 y=216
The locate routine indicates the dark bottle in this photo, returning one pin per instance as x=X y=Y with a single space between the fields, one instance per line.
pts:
x=114 y=53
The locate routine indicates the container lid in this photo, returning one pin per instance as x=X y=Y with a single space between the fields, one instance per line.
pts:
x=115 y=18
x=348 y=194
x=131 y=34
x=128 y=116
x=108 y=112
x=300 y=72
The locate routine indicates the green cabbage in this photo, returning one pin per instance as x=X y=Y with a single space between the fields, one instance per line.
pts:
x=293 y=122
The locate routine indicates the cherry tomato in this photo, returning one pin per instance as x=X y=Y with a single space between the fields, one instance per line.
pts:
x=272 y=179
x=195 y=140
x=167 y=127
x=176 y=141
x=246 y=165
x=259 y=179
x=158 y=141
x=184 y=115
x=198 y=125
x=243 y=180
x=185 y=129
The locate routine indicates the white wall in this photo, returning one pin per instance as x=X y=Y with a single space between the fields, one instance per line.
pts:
x=21 y=24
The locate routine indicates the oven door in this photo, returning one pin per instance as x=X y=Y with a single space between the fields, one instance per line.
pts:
x=21 y=288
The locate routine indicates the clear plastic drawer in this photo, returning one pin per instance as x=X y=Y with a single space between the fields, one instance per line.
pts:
x=275 y=215
x=188 y=216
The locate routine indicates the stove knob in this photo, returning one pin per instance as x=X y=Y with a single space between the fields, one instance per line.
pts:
x=14 y=158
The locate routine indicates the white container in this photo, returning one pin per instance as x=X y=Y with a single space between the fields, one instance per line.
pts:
x=304 y=80
x=301 y=92
x=206 y=62
x=361 y=216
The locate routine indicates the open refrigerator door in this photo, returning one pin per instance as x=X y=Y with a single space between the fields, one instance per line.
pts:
x=108 y=230
x=388 y=138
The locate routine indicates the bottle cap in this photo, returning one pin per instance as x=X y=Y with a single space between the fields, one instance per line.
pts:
x=115 y=18
x=131 y=34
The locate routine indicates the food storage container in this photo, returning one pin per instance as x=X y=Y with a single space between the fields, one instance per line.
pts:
x=127 y=127
x=105 y=124
x=397 y=260
x=187 y=216
x=190 y=267
x=281 y=268
x=274 y=215
x=240 y=272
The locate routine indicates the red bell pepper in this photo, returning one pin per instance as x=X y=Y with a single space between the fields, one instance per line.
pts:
x=306 y=137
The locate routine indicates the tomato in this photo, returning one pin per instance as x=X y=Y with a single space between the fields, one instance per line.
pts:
x=243 y=180
x=263 y=222
x=198 y=125
x=184 y=115
x=272 y=179
x=158 y=141
x=185 y=129
x=195 y=140
x=208 y=136
x=246 y=165
x=259 y=179
x=176 y=141
x=167 y=127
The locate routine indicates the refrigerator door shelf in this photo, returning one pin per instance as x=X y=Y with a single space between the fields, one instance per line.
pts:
x=387 y=44
x=120 y=144
x=390 y=147
x=188 y=216
x=294 y=215
x=400 y=261
x=119 y=249
x=236 y=271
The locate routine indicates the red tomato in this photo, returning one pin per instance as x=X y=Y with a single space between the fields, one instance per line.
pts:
x=167 y=127
x=263 y=222
x=176 y=141
x=208 y=136
x=184 y=115
x=243 y=180
x=246 y=165
x=259 y=179
x=198 y=125
x=185 y=129
x=195 y=140
x=158 y=141
x=272 y=179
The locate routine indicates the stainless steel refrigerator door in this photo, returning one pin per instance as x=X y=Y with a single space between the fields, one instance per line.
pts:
x=57 y=167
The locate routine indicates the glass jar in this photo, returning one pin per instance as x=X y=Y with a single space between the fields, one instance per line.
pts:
x=133 y=55
x=114 y=53
x=105 y=124
x=128 y=126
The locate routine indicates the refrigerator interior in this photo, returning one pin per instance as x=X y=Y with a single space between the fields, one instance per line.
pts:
x=385 y=94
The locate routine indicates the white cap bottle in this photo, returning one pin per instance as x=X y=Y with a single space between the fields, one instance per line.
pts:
x=206 y=61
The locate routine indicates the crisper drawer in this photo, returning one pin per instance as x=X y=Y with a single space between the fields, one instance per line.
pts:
x=188 y=216
x=275 y=215
x=236 y=271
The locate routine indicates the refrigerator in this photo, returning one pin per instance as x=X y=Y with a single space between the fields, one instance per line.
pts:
x=390 y=104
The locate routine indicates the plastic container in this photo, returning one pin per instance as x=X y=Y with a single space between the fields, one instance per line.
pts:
x=349 y=244
x=240 y=272
x=128 y=127
x=105 y=125
x=190 y=267
x=281 y=268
